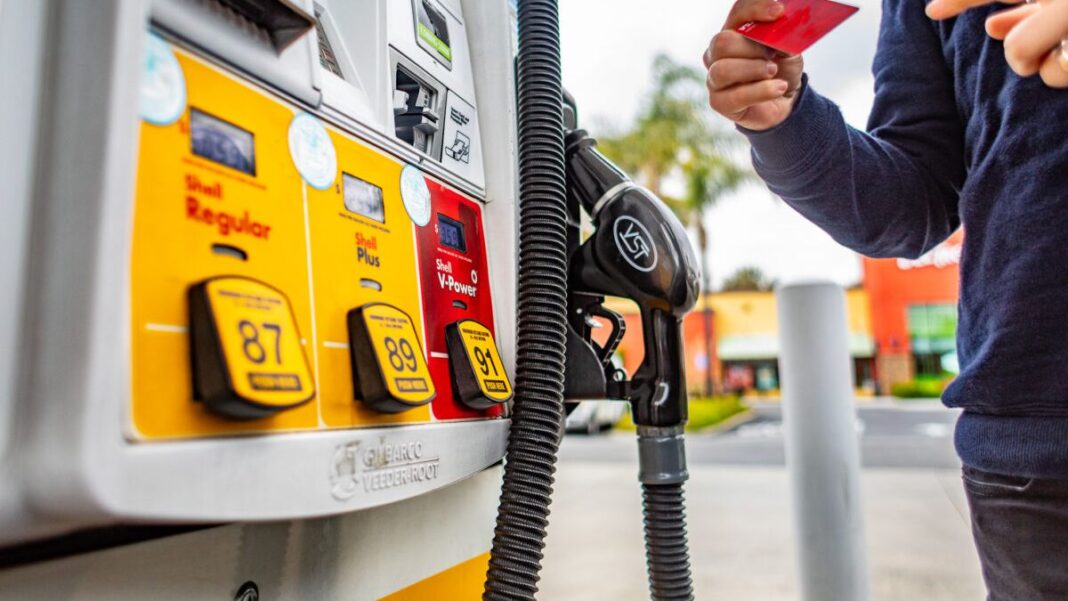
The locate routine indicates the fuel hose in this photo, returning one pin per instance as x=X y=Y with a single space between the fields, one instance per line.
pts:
x=534 y=437
x=662 y=472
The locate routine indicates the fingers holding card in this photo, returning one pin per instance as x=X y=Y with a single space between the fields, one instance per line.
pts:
x=802 y=24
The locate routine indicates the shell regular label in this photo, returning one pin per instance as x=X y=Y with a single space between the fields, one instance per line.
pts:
x=260 y=342
x=399 y=354
x=485 y=360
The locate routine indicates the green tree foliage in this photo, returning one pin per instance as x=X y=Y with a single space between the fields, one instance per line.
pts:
x=674 y=137
x=748 y=278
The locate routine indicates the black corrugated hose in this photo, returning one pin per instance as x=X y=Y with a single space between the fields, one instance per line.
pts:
x=666 y=553
x=515 y=559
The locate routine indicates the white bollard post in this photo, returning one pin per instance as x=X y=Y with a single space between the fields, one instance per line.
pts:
x=822 y=451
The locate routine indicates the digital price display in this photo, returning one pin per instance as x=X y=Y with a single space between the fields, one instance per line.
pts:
x=363 y=198
x=451 y=233
x=432 y=32
x=222 y=142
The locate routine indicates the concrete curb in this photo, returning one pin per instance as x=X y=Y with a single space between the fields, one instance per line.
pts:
x=731 y=422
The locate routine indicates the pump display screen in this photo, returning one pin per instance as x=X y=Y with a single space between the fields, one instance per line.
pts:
x=222 y=142
x=363 y=198
x=432 y=31
x=451 y=233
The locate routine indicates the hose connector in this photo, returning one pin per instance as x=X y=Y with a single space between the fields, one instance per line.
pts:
x=662 y=455
x=662 y=471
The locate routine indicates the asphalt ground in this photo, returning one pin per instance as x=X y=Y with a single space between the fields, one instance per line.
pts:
x=913 y=434
x=741 y=527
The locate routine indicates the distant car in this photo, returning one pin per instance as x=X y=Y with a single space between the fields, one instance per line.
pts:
x=594 y=417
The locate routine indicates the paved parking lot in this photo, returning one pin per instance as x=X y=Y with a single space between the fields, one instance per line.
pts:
x=741 y=533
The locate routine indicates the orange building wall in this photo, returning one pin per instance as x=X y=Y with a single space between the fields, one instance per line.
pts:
x=894 y=284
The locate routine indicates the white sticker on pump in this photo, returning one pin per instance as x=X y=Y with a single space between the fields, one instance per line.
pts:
x=162 y=83
x=415 y=194
x=312 y=151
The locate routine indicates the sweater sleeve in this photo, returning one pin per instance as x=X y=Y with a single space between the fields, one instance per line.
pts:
x=893 y=191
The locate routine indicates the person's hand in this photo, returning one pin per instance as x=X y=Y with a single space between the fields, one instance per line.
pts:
x=1033 y=35
x=750 y=84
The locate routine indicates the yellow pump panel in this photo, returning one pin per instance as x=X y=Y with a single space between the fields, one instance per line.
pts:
x=359 y=259
x=194 y=219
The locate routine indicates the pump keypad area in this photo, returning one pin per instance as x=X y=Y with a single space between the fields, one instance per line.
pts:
x=279 y=281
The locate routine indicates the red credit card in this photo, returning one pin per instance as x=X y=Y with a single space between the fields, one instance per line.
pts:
x=801 y=25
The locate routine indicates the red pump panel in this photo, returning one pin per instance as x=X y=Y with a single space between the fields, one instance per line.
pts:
x=455 y=285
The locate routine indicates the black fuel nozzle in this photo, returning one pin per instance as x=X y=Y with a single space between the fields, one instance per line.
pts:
x=639 y=250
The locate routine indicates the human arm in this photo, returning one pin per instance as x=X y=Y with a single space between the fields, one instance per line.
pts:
x=893 y=192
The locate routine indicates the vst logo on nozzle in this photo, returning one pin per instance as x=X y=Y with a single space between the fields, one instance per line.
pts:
x=634 y=243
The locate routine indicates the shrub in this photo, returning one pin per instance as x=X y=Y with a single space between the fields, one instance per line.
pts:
x=705 y=412
x=919 y=389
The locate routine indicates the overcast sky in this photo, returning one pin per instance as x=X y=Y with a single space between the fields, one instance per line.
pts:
x=608 y=48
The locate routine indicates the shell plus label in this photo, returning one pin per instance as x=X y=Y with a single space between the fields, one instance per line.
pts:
x=367 y=250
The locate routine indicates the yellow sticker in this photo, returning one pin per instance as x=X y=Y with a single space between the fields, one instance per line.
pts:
x=399 y=354
x=260 y=342
x=485 y=360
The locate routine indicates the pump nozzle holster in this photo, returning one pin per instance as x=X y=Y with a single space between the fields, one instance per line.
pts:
x=638 y=250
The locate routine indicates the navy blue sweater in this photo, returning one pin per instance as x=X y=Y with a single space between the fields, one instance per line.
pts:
x=955 y=138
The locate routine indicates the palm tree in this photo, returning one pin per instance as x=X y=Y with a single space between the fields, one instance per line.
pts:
x=748 y=279
x=673 y=138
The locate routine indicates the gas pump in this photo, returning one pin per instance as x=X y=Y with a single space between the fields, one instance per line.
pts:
x=261 y=288
x=274 y=273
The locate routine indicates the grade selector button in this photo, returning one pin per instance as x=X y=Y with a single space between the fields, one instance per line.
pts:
x=388 y=367
x=247 y=356
x=477 y=372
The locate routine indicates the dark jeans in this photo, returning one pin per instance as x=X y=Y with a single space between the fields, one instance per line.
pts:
x=1021 y=531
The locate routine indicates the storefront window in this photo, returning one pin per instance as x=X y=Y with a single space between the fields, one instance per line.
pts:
x=932 y=334
x=746 y=376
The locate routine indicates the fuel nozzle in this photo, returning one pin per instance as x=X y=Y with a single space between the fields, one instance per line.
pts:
x=639 y=250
